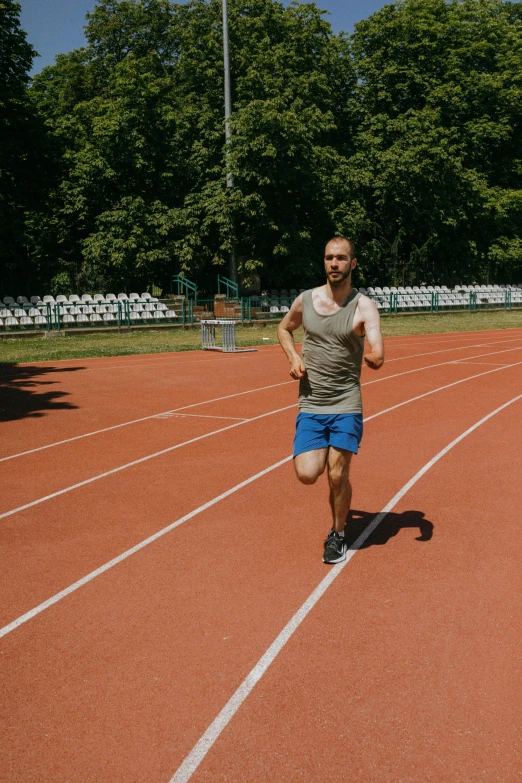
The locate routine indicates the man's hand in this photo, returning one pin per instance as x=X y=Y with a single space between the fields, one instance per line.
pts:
x=374 y=359
x=297 y=368
x=285 y=332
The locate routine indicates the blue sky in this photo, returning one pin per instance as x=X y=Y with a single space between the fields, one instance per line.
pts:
x=56 y=26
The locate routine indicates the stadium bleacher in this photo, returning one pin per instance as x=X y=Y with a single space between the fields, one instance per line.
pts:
x=110 y=309
x=82 y=311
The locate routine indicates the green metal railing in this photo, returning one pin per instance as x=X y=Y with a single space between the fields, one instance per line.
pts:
x=184 y=285
x=232 y=289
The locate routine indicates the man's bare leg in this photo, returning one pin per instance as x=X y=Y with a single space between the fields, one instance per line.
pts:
x=340 y=487
x=310 y=465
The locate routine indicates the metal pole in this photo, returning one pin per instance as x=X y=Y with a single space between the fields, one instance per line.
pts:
x=228 y=102
x=228 y=112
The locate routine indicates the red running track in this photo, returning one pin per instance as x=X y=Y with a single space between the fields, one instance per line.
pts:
x=407 y=667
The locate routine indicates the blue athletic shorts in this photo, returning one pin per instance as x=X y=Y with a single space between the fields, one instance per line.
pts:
x=318 y=431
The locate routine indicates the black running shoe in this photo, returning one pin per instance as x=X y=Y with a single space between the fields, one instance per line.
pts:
x=334 y=548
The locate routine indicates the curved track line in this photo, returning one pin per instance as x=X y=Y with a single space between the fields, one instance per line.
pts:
x=224 y=429
x=442 y=364
x=248 y=391
x=204 y=744
x=102 y=569
x=487 y=344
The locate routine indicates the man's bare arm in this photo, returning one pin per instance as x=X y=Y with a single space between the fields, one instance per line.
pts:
x=285 y=333
x=372 y=327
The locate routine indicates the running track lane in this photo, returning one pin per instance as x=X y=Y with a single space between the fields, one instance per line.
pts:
x=61 y=400
x=408 y=669
x=125 y=675
x=76 y=461
x=41 y=404
x=77 y=529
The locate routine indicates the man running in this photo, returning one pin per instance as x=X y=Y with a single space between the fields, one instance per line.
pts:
x=336 y=318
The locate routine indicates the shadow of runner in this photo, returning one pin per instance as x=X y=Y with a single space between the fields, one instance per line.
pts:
x=21 y=393
x=358 y=521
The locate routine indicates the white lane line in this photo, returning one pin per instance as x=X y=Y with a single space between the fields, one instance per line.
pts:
x=224 y=429
x=445 y=337
x=143 y=418
x=199 y=416
x=492 y=364
x=443 y=364
x=120 y=558
x=102 y=569
x=448 y=350
x=204 y=744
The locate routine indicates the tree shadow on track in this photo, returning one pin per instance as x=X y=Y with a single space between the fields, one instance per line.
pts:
x=21 y=395
x=392 y=523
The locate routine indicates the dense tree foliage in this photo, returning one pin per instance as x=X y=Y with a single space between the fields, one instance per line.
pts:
x=20 y=136
x=405 y=136
x=438 y=160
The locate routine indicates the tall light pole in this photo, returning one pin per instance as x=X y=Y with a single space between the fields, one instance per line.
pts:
x=228 y=111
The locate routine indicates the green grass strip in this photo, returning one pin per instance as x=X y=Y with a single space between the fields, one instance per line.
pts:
x=64 y=345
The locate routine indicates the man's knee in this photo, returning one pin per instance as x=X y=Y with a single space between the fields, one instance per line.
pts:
x=338 y=478
x=339 y=471
x=307 y=477
x=308 y=471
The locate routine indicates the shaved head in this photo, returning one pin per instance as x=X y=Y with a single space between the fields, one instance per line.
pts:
x=339 y=239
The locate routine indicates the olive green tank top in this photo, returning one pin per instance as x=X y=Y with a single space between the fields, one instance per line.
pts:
x=333 y=355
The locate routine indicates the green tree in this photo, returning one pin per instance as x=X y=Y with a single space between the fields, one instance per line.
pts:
x=437 y=169
x=19 y=139
x=136 y=120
